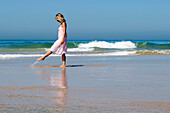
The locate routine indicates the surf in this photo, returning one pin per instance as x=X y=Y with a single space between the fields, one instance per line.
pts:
x=82 y=46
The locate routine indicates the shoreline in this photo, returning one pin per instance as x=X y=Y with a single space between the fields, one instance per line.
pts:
x=131 y=53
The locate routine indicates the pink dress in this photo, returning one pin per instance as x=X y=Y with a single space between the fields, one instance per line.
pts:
x=57 y=47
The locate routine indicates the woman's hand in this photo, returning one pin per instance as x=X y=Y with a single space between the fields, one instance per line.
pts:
x=62 y=41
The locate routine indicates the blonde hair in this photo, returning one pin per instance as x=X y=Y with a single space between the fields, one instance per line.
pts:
x=60 y=17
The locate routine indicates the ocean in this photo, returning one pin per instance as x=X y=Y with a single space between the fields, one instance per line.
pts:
x=35 y=48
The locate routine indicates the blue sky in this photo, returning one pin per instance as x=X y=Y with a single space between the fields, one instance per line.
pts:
x=87 y=19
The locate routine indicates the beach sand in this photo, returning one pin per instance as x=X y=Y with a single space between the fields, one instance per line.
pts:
x=89 y=84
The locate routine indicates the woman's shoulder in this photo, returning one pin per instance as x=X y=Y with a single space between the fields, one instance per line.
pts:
x=63 y=25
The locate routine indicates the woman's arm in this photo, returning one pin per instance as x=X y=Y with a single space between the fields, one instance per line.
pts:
x=64 y=29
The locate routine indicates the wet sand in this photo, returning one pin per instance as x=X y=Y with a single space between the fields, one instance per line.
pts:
x=118 y=84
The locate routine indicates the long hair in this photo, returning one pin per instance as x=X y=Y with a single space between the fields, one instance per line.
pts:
x=60 y=17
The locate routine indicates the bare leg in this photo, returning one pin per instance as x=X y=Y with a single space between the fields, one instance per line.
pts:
x=63 y=60
x=46 y=55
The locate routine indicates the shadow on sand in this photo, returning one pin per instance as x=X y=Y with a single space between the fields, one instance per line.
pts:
x=74 y=65
x=48 y=66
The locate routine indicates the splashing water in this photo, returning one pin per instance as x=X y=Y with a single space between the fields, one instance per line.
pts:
x=35 y=63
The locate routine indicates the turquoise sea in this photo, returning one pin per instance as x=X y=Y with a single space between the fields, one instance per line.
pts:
x=32 y=48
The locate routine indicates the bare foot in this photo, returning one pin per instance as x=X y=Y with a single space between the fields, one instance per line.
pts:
x=62 y=66
x=40 y=58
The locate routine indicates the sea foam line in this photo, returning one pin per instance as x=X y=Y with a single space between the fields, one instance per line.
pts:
x=117 y=53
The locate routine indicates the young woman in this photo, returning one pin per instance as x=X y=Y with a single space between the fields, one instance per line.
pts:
x=60 y=46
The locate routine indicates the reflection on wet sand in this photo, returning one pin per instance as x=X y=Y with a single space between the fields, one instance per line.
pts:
x=59 y=81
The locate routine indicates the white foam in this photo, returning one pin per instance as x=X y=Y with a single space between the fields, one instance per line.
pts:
x=8 y=56
x=104 y=44
x=116 y=53
x=46 y=49
x=79 y=49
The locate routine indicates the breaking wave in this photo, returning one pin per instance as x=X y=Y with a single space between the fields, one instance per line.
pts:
x=83 y=46
x=104 y=44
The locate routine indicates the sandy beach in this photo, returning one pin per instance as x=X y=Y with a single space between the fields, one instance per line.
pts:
x=89 y=84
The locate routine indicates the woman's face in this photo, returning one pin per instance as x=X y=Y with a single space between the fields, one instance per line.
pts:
x=57 y=19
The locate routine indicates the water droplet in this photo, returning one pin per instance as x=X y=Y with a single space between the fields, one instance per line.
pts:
x=35 y=62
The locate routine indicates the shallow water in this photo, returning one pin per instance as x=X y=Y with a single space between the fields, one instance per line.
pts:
x=89 y=84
